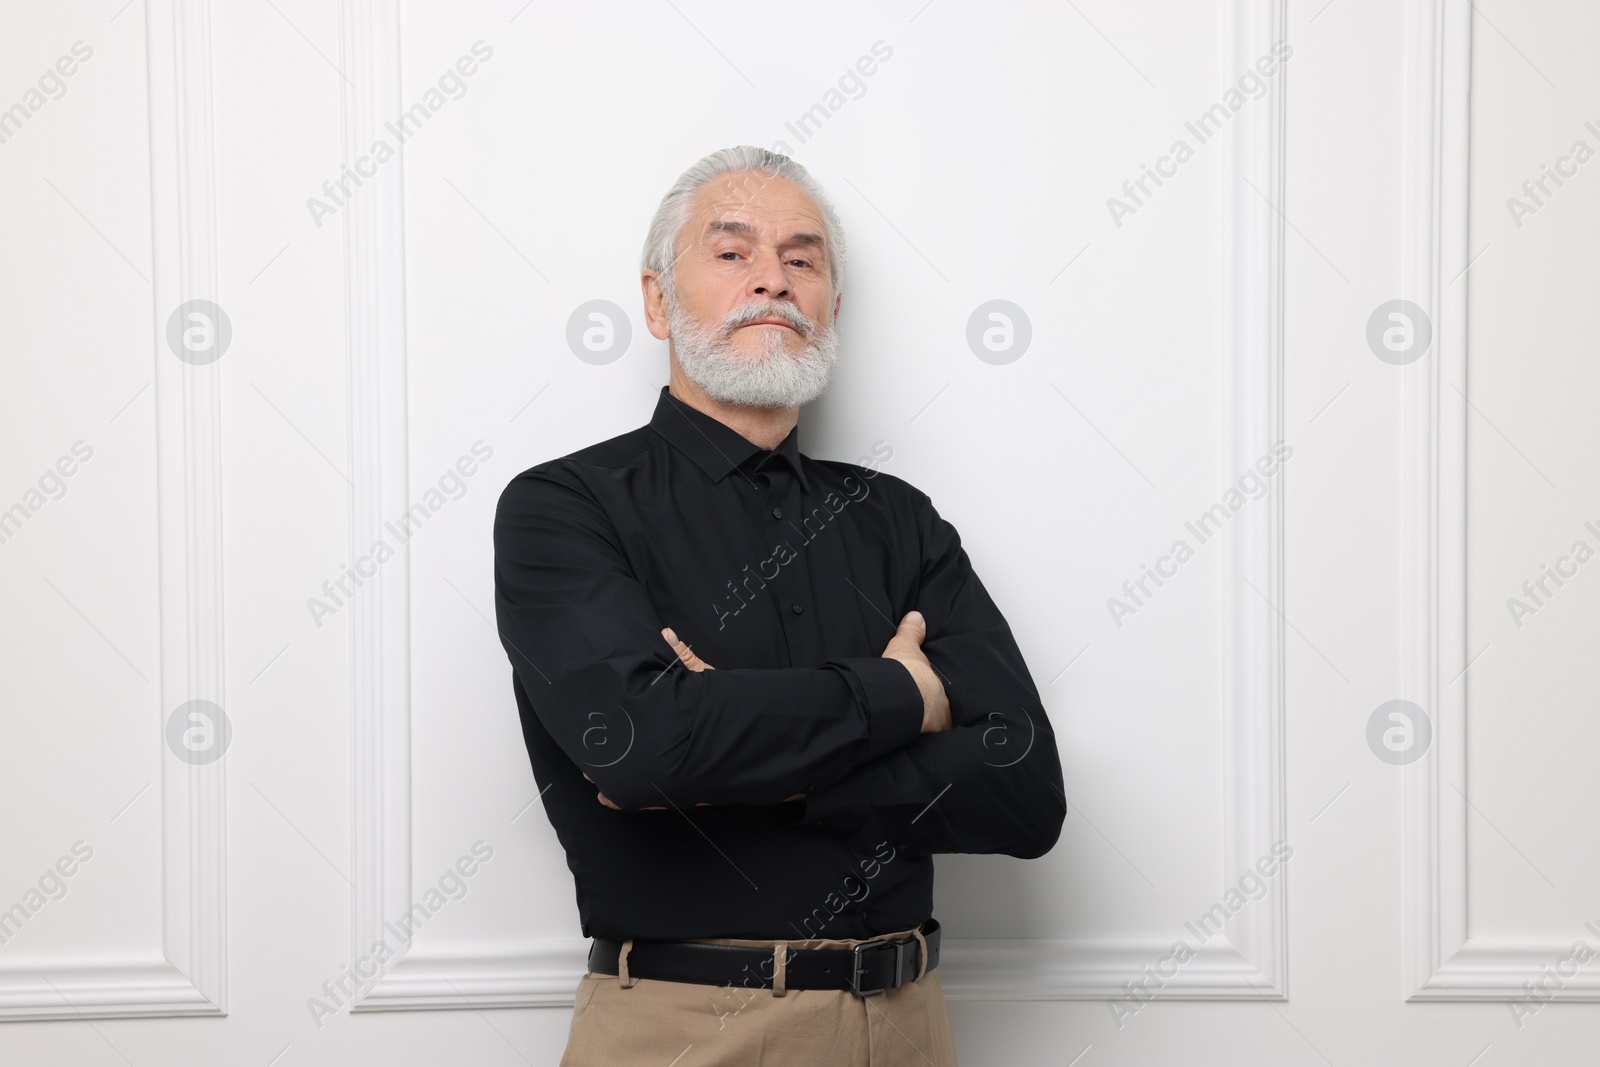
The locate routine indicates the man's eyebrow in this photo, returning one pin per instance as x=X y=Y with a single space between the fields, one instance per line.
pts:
x=744 y=229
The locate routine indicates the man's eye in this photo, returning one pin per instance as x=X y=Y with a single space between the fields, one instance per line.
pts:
x=725 y=255
x=800 y=262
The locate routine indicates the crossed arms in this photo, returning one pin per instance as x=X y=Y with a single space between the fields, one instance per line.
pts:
x=941 y=744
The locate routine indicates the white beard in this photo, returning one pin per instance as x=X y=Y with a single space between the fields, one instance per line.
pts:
x=772 y=378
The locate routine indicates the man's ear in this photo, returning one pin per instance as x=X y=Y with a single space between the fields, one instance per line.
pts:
x=655 y=311
x=837 y=301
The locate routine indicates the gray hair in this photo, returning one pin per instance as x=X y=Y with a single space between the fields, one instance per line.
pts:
x=661 y=245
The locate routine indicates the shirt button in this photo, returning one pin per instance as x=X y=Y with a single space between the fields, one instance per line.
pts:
x=797 y=609
x=777 y=513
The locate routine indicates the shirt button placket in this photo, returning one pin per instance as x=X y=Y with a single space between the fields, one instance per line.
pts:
x=788 y=587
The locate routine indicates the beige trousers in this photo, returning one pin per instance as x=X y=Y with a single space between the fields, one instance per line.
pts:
x=680 y=1024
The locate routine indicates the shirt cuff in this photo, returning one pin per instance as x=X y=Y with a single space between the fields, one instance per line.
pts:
x=893 y=703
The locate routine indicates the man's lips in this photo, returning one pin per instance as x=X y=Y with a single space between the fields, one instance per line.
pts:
x=770 y=322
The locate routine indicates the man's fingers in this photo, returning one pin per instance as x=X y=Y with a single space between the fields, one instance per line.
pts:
x=615 y=807
x=908 y=635
x=685 y=653
x=913 y=627
x=602 y=798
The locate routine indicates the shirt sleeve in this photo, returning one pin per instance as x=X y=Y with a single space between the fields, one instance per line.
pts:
x=993 y=782
x=586 y=647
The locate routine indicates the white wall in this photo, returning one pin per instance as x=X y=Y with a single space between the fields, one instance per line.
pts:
x=378 y=338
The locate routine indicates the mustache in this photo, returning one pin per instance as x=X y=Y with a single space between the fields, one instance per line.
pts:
x=768 y=309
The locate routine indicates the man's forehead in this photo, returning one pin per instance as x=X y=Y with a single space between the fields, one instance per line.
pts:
x=754 y=203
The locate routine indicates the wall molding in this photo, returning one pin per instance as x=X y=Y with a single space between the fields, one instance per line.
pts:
x=189 y=977
x=375 y=333
x=1441 y=962
x=1248 y=960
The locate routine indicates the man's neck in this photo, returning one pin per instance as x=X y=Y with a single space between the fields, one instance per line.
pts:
x=763 y=427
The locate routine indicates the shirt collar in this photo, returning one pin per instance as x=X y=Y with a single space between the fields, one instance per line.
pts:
x=715 y=447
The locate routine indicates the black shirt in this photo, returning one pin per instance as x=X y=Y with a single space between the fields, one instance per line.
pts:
x=788 y=575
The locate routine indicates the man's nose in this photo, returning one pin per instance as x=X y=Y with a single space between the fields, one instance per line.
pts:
x=768 y=278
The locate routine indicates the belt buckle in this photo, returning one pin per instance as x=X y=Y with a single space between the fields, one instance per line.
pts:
x=858 y=967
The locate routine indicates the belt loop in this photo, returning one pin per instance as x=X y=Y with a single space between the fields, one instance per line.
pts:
x=780 y=968
x=917 y=933
x=626 y=980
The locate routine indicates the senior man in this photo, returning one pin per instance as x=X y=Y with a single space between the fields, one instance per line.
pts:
x=759 y=690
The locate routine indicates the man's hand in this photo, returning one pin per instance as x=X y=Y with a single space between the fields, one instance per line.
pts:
x=694 y=663
x=906 y=646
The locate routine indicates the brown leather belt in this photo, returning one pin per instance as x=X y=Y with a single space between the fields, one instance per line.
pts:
x=870 y=967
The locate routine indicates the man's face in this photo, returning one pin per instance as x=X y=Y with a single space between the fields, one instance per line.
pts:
x=753 y=238
x=752 y=319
